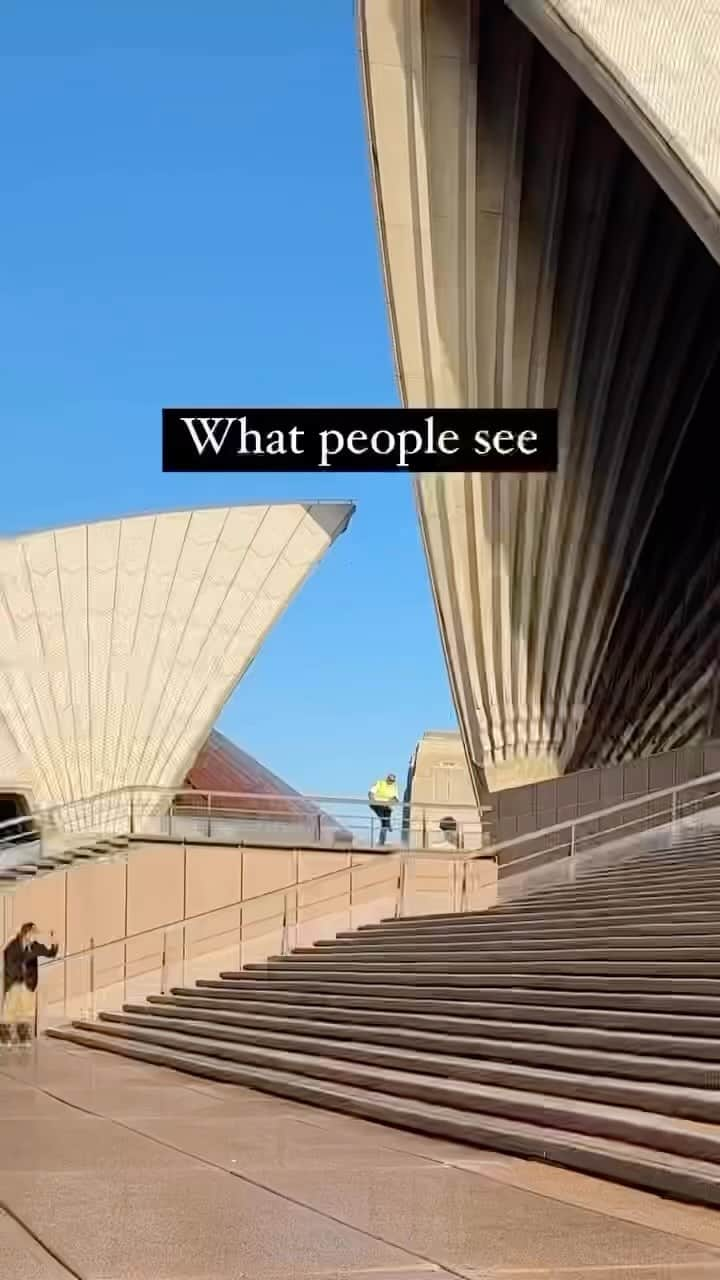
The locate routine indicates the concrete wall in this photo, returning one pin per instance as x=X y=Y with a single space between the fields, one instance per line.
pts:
x=172 y=913
x=439 y=785
x=519 y=811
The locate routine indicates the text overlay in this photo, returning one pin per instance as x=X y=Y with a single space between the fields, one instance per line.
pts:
x=359 y=440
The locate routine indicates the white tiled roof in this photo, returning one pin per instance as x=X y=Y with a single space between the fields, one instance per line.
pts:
x=120 y=641
x=665 y=54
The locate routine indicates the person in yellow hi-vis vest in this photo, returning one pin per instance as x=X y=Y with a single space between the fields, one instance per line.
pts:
x=383 y=796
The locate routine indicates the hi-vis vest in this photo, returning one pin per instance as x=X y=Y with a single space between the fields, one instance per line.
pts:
x=384 y=791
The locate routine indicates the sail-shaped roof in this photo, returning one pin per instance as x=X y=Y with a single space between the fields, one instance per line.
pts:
x=120 y=641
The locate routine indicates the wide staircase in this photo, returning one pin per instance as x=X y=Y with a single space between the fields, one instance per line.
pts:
x=580 y=1025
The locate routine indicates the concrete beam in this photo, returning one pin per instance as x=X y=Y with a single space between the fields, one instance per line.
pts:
x=536 y=253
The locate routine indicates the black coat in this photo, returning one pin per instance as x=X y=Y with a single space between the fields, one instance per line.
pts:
x=21 y=963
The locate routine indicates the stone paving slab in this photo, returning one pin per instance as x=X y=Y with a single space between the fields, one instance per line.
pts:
x=462 y=1219
x=21 y=1258
x=130 y=1172
x=140 y=1226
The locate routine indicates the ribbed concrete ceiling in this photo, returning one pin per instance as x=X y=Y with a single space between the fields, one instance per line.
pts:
x=534 y=258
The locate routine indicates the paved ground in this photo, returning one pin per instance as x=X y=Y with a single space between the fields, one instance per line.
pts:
x=111 y=1170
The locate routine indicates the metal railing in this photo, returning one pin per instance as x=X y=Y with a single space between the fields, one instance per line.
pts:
x=235 y=818
x=330 y=822
x=180 y=951
x=585 y=832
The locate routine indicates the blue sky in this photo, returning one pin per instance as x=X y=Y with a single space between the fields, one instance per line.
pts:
x=187 y=219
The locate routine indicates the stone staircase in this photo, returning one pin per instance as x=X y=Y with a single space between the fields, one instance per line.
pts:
x=28 y=860
x=579 y=1026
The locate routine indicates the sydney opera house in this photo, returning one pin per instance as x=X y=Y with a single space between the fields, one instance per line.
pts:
x=547 y=187
x=547 y=190
x=122 y=640
x=547 y=181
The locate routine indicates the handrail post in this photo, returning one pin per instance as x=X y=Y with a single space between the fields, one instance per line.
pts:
x=66 y=933
x=403 y=877
x=400 y=899
x=572 y=840
x=209 y=815
x=463 y=890
x=126 y=899
x=284 y=940
x=163 y=965
x=296 y=926
x=673 y=805
x=92 y=979
x=132 y=813
x=241 y=896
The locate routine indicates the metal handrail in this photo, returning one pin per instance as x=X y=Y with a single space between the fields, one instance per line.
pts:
x=571 y=824
x=680 y=798
x=232 y=818
x=229 y=906
x=44 y=839
x=395 y=884
x=175 y=793
x=676 y=794
x=402 y=856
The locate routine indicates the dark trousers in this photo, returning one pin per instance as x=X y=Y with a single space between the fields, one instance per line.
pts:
x=384 y=813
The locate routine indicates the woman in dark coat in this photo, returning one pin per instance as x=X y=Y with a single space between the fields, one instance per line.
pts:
x=20 y=980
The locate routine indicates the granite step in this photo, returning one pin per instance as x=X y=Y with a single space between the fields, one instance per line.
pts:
x=628 y=1159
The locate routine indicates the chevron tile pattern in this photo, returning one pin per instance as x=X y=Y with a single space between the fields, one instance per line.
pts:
x=121 y=641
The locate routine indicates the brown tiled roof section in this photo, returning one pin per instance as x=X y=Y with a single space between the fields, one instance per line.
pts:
x=222 y=766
